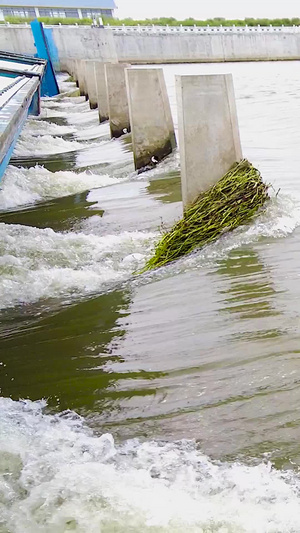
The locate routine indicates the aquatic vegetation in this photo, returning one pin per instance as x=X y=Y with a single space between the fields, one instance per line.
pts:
x=234 y=200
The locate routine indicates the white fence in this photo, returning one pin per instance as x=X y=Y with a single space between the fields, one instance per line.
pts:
x=203 y=29
x=178 y=29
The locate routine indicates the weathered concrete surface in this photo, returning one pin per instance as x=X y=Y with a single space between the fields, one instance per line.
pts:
x=71 y=67
x=152 y=128
x=90 y=80
x=78 y=42
x=184 y=48
x=209 y=138
x=17 y=38
x=117 y=99
x=80 y=70
x=102 y=99
x=84 y=42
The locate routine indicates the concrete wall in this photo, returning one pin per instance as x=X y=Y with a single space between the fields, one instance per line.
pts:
x=84 y=43
x=78 y=42
x=178 y=48
x=103 y=44
x=18 y=39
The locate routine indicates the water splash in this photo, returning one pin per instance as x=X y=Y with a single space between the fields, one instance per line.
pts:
x=29 y=145
x=36 y=127
x=23 y=186
x=39 y=263
x=57 y=476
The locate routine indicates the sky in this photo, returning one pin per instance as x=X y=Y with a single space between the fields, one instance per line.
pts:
x=202 y=9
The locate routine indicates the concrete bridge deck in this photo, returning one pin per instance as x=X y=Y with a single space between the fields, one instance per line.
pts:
x=19 y=95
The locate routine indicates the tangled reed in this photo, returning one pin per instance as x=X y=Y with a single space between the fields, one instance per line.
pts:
x=234 y=200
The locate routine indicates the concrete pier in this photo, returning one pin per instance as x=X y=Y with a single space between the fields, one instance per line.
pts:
x=80 y=72
x=209 y=138
x=101 y=88
x=90 y=80
x=152 y=128
x=117 y=99
x=69 y=67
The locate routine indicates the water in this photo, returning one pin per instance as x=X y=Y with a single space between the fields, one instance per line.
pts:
x=162 y=402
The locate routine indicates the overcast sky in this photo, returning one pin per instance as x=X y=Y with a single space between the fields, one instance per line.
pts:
x=203 y=9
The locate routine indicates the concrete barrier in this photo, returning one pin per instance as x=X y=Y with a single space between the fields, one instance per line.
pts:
x=80 y=71
x=161 y=45
x=90 y=80
x=209 y=138
x=152 y=128
x=71 y=67
x=117 y=99
x=101 y=88
x=68 y=66
x=184 y=47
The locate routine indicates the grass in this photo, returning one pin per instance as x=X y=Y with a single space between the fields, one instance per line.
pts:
x=234 y=200
x=50 y=21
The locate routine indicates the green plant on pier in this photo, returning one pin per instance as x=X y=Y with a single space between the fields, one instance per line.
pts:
x=234 y=200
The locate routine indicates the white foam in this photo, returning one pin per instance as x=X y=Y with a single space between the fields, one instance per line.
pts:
x=36 y=127
x=80 y=106
x=99 y=130
x=22 y=186
x=39 y=263
x=88 y=116
x=29 y=145
x=57 y=476
x=71 y=113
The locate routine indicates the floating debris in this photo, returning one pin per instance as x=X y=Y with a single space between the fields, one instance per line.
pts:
x=234 y=200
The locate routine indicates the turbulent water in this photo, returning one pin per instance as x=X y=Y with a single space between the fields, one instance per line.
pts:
x=162 y=402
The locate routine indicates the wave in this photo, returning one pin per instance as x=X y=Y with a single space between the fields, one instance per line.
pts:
x=30 y=146
x=35 y=127
x=40 y=263
x=23 y=186
x=57 y=476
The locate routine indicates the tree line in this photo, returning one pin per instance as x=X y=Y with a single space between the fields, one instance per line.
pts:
x=218 y=21
x=163 y=21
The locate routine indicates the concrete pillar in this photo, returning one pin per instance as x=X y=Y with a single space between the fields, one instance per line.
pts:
x=68 y=65
x=71 y=68
x=209 y=138
x=101 y=87
x=90 y=79
x=117 y=99
x=150 y=116
x=80 y=69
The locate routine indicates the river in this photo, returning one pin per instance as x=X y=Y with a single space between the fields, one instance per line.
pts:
x=162 y=402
